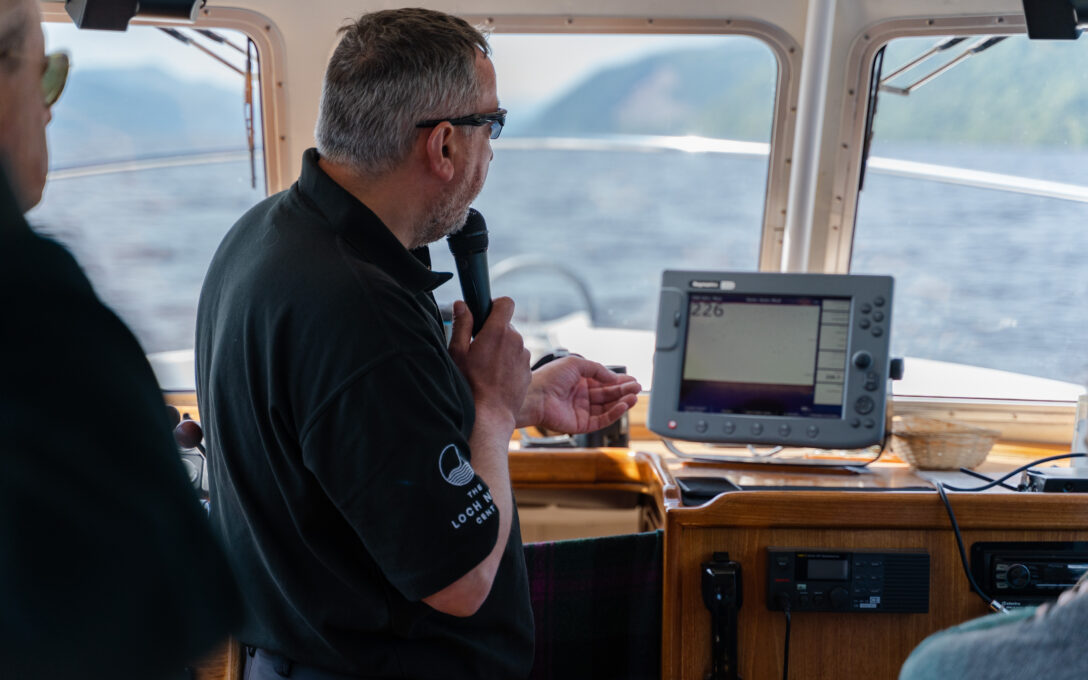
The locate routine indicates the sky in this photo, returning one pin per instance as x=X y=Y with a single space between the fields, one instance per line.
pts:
x=532 y=70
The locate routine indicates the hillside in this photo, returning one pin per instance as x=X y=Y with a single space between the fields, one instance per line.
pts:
x=724 y=91
x=158 y=115
x=668 y=94
x=980 y=100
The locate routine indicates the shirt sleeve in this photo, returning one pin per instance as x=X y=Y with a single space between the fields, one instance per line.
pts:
x=390 y=449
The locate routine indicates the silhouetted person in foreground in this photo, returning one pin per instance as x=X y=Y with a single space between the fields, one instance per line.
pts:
x=108 y=568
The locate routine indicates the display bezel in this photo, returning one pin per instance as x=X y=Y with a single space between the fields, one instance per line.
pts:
x=858 y=419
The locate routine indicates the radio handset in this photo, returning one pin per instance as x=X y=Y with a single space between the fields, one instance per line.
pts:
x=469 y=248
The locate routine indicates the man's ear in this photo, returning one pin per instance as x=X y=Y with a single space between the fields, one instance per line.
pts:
x=440 y=150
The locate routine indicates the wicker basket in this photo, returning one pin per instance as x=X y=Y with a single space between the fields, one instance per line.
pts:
x=932 y=444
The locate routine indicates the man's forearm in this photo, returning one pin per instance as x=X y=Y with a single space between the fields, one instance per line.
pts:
x=490 y=445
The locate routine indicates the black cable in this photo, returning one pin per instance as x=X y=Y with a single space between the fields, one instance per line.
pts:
x=990 y=602
x=883 y=448
x=979 y=475
x=786 y=653
x=1017 y=471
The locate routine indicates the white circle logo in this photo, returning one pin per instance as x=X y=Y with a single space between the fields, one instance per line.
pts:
x=453 y=467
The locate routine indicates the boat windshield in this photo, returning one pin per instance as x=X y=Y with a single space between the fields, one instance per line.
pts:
x=976 y=200
x=622 y=156
x=149 y=167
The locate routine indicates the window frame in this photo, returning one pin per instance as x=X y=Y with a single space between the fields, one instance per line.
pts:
x=1048 y=422
x=787 y=54
x=271 y=54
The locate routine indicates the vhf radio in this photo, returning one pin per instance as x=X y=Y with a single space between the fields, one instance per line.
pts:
x=820 y=580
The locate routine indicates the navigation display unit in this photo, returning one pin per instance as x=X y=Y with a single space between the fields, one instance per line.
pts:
x=772 y=359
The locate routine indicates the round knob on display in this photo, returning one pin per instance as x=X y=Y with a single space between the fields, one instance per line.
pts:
x=863 y=359
x=840 y=598
x=188 y=435
x=1018 y=576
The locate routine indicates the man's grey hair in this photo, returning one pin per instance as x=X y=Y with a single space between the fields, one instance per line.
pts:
x=13 y=34
x=392 y=70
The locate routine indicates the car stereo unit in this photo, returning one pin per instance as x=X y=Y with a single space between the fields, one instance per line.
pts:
x=772 y=359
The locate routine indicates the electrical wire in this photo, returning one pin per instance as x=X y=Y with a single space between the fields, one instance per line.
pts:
x=1017 y=471
x=786 y=653
x=883 y=448
x=979 y=475
x=990 y=602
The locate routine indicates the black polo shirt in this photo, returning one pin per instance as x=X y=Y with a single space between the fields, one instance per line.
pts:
x=108 y=568
x=338 y=431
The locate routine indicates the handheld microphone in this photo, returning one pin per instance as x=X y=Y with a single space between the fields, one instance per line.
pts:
x=469 y=248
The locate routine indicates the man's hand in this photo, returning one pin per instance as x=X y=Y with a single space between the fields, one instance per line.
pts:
x=574 y=395
x=495 y=363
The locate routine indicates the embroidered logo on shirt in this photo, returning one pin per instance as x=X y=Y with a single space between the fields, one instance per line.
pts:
x=454 y=468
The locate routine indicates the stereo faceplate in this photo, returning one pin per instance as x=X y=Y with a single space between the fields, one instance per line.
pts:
x=1019 y=574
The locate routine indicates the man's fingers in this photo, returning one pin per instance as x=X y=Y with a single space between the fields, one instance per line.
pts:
x=601 y=374
x=462 y=329
x=609 y=416
x=502 y=311
x=606 y=393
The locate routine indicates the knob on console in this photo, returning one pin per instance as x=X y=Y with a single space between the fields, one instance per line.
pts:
x=863 y=359
x=1018 y=576
x=840 y=598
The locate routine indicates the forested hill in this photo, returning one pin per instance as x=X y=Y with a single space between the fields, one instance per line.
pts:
x=125 y=113
x=726 y=92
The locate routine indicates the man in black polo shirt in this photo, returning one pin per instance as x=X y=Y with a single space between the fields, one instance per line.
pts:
x=359 y=471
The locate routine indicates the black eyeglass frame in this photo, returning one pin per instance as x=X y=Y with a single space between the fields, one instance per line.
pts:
x=496 y=120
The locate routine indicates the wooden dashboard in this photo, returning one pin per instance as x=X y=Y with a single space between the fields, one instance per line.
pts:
x=883 y=508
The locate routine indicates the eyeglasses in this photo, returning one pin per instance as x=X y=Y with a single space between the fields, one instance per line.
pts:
x=54 y=76
x=495 y=120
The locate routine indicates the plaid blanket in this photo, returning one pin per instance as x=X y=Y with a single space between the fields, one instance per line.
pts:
x=597 y=607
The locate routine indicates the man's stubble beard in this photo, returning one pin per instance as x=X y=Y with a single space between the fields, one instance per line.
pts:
x=450 y=211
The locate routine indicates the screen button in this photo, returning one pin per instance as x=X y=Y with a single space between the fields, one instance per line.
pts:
x=784 y=430
x=812 y=431
x=729 y=428
x=757 y=428
x=700 y=426
x=864 y=405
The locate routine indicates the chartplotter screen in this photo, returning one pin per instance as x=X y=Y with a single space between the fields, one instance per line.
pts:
x=772 y=358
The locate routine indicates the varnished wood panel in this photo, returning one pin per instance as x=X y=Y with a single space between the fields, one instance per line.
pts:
x=847 y=645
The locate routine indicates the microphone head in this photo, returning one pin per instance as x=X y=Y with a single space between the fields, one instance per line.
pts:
x=470 y=238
